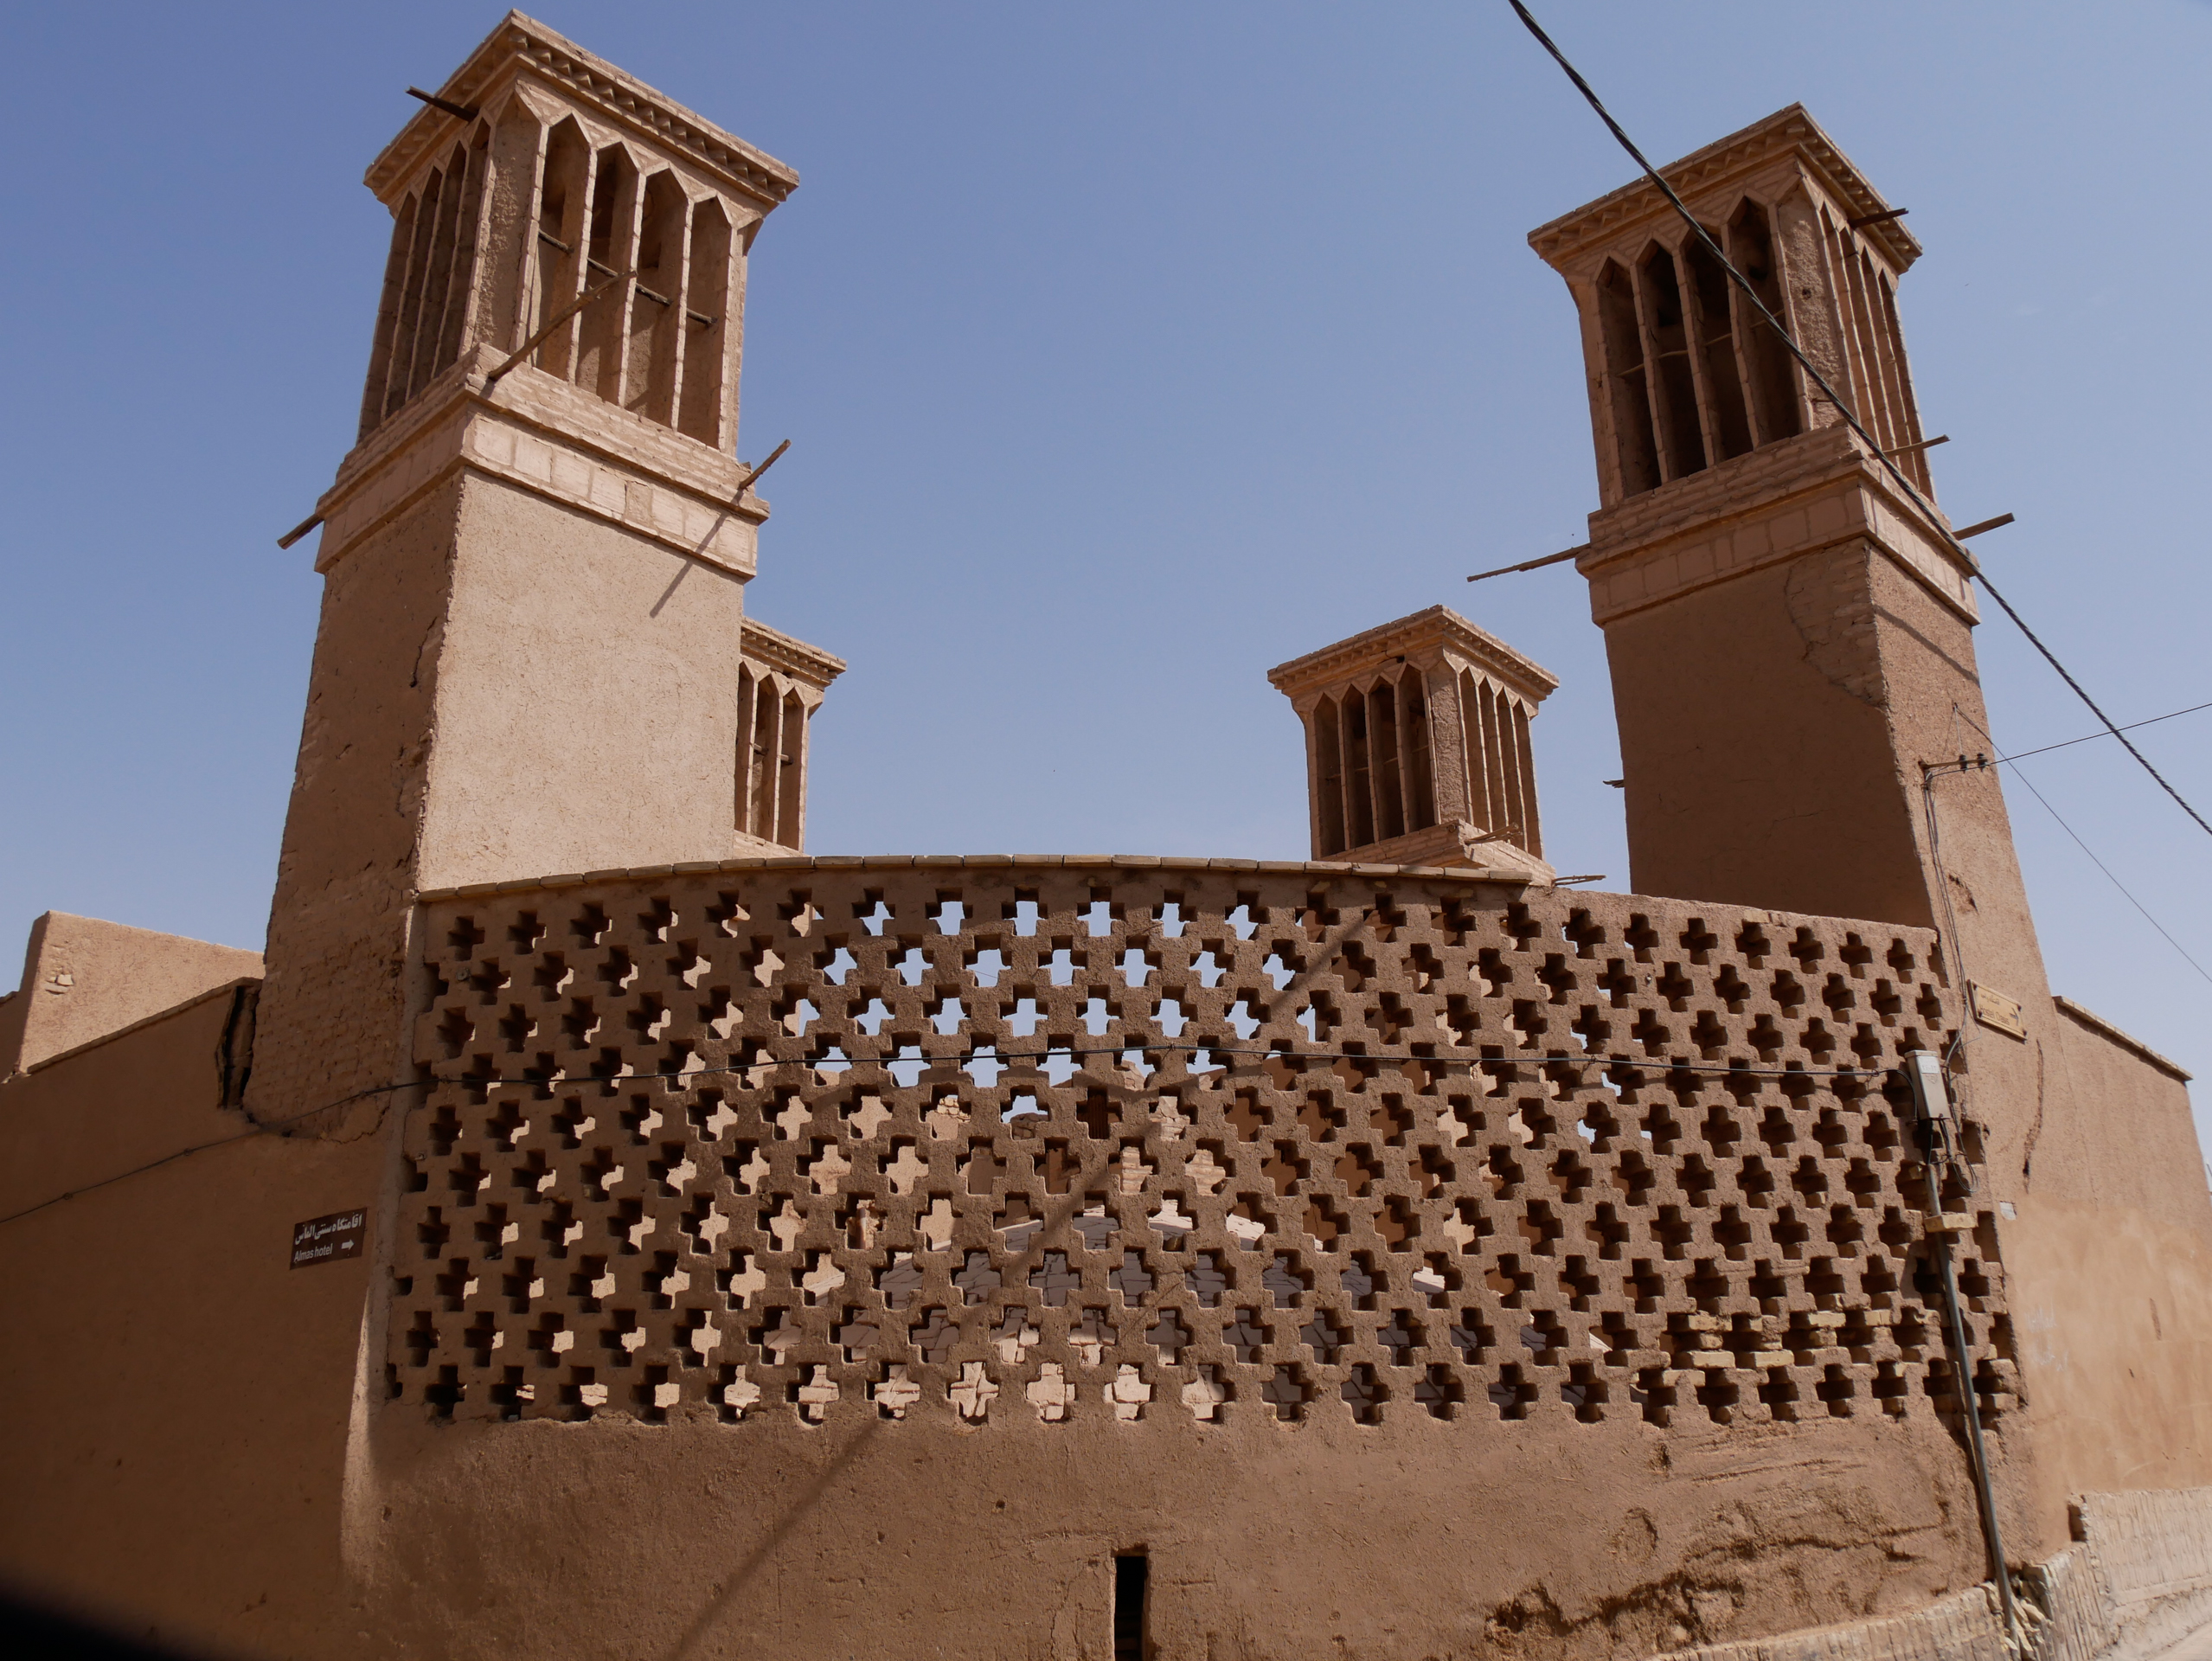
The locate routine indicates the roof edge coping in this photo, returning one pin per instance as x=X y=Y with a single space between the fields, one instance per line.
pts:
x=1475 y=876
x=2106 y=1029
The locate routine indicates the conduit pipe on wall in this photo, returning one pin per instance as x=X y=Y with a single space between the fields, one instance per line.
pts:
x=1924 y=1073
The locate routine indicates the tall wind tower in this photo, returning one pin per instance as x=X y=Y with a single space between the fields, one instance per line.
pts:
x=1790 y=644
x=534 y=655
x=1794 y=678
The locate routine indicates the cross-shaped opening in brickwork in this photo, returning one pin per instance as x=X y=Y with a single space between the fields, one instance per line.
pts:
x=1510 y=1394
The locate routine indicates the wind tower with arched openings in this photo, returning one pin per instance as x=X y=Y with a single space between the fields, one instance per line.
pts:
x=534 y=653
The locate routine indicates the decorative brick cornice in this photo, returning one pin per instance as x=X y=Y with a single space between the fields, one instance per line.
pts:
x=1778 y=503
x=787 y=656
x=1786 y=130
x=536 y=432
x=1439 y=626
x=521 y=49
x=1740 y=483
x=1456 y=844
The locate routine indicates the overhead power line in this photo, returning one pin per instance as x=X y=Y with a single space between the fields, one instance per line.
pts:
x=2086 y=737
x=2107 y=870
x=1925 y=509
x=1952 y=769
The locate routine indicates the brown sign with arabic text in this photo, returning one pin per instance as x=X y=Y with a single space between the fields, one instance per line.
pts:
x=1995 y=1010
x=326 y=1240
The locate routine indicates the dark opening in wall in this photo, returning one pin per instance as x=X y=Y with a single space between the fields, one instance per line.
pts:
x=1715 y=332
x=1329 y=758
x=708 y=333
x=1682 y=439
x=1771 y=374
x=1638 y=447
x=1130 y=1575
x=1360 y=821
x=1389 y=784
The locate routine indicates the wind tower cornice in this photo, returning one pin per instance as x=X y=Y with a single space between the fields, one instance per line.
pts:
x=1717 y=170
x=523 y=52
x=1426 y=635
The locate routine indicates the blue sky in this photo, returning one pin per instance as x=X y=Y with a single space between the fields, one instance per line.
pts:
x=1126 y=352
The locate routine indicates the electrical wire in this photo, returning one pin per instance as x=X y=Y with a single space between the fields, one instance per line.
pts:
x=978 y=1052
x=2000 y=1573
x=1962 y=766
x=1925 y=509
x=2090 y=737
x=2109 y=878
x=260 y=1127
x=969 y=1058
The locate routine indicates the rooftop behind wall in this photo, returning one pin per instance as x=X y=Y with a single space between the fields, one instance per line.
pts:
x=84 y=978
x=776 y=1140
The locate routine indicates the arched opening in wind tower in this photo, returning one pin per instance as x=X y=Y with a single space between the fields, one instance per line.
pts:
x=1682 y=439
x=655 y=307
x=1329 y=763
x=1635 y=444
x=563 y=195
x=1714 y=328
x=706 y=326
x=1771 y=376
x=614 y=220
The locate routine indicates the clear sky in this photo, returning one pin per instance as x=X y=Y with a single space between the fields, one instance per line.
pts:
x=1125 y=351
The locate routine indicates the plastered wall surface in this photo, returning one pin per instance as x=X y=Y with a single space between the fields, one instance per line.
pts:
x=332 y=1010
x=571 y=731
x=1415 y=1537
x=177 y=1396
x=2112 y=1256
x=84 y=978
x=502 y=685
x=1741 y=741
x=1788 y=770
x=2095 y=1149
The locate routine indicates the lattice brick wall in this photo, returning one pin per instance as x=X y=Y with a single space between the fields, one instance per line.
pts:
x=1449 y=1156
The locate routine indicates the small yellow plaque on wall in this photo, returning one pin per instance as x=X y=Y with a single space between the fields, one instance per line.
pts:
x=1993 y=1009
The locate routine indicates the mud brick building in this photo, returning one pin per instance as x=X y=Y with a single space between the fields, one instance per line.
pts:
x=707 y=1248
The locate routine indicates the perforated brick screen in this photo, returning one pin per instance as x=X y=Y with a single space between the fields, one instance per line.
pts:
x=784 y=1141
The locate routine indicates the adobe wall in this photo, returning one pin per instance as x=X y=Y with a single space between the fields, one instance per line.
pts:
x=2093 y=1148
x=757 y=1352
x=84 y=978
x=1382 y=1353
x=571 y=734
x=332 y=1011
x=2112 y=1260
x=1753 y=726
x=176 y=1398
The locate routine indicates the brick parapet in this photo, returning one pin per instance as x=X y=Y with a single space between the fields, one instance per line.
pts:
x=777 y=1139
x=1026 y=862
